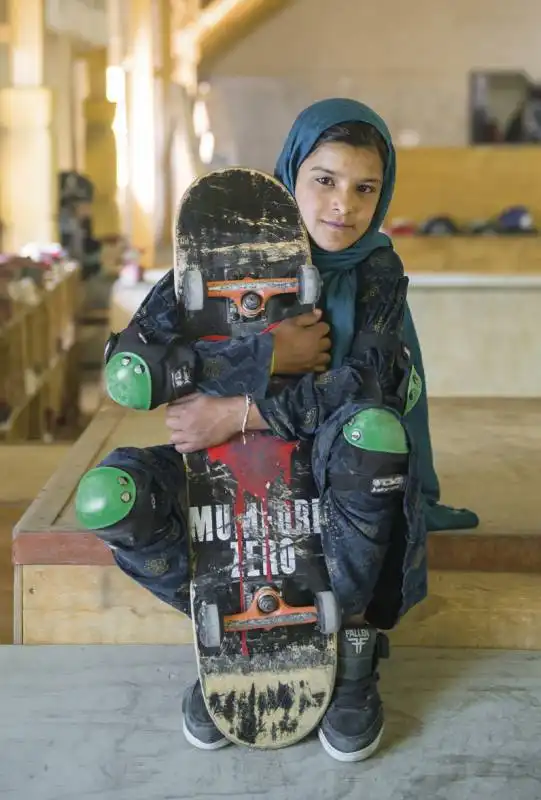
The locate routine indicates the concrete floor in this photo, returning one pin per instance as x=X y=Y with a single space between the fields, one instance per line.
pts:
x=104 y=722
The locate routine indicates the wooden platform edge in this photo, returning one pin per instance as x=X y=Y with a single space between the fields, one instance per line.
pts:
x=462 y=551
x=39 y=539
x=467 y=551
x=45 y=509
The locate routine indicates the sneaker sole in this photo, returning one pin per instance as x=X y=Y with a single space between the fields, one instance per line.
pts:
x=203 y=745
x=357 y=755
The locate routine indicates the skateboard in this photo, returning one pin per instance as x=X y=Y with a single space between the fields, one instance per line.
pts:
x=264 y=617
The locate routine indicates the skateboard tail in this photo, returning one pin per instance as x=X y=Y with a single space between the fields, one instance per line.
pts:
x=270 y=704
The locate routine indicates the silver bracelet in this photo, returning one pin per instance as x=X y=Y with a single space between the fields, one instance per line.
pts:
x=248 y=400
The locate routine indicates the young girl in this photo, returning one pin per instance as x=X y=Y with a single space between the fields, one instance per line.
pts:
x=339 y=162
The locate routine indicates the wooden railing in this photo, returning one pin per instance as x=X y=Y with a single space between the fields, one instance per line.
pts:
x=39 y=375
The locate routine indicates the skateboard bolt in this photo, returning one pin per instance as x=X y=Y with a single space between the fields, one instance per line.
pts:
x=125 y=361
x=355 y=435
x=267 y=603
x=251 y=301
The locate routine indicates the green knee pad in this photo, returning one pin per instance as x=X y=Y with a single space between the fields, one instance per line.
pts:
x=128 y=381
x=378 y=430
x=105 y=496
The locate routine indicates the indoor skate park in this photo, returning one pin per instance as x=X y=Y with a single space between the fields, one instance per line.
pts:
x=109 y=110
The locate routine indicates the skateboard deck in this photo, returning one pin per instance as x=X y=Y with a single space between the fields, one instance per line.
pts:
x=263 y=615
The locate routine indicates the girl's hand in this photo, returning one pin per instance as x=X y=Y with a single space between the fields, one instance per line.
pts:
x=198 y=421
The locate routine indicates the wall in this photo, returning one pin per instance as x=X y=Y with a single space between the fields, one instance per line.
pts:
x=410 y=61
x=58 y=75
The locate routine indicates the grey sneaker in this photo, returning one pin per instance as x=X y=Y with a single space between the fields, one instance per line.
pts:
x=352 y=727
x=198 y=727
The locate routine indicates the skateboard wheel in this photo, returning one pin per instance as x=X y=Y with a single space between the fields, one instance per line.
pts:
x=328 y=613
x=193 y=290
x=309 y=285
x=209 y=623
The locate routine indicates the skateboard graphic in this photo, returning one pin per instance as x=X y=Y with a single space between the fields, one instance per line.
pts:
x=264 y=618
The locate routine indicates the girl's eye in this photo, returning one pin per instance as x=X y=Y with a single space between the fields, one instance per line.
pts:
x=366 y=188
x=325 y=180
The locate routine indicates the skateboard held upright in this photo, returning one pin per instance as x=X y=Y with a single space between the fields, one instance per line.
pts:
x=263 y=614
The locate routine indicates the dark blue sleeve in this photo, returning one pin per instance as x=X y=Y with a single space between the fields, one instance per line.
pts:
x=371 y=371
x=297 y=411
x=225 y=368
x=235 y=366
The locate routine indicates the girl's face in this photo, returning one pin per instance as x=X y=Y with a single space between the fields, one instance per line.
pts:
x=338 y=188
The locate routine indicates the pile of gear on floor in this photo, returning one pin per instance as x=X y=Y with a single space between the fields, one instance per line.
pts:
x=512 y=221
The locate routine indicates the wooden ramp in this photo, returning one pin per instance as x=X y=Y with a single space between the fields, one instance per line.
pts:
x=485 y=585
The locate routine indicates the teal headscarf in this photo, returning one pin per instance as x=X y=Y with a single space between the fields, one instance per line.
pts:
x=338 y=269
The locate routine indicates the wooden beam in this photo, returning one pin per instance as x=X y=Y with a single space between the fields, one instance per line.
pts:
x=27 y=149
x=221 y=24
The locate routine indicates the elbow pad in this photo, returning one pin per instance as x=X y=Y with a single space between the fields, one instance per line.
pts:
x=142 y=372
